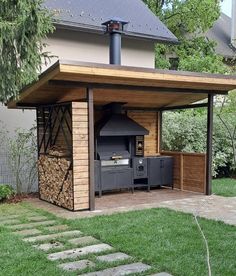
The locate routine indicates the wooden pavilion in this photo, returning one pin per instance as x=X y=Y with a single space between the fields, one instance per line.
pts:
x=69 y=97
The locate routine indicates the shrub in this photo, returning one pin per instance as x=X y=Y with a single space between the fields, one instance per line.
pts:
x=6 y=192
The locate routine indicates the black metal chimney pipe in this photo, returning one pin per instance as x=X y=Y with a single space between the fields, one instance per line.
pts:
x=115 y=27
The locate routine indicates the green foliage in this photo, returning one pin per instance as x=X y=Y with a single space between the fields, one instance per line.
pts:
x=23 y=26
x=6 y=192
x=22 y=158
x=189 y=20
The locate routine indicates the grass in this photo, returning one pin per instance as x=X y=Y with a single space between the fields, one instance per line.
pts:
x=224 y=187
x=167 y=240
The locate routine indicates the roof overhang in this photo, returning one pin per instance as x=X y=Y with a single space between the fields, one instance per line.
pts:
x=67 y=81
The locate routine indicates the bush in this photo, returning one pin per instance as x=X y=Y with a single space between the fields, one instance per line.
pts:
x=6 y=192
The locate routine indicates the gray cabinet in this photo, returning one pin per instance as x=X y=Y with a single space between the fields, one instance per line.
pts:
x=114 y=178
x=160 y=171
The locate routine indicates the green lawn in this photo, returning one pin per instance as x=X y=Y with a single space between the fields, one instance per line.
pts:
x=224 y=187
x=167 y=240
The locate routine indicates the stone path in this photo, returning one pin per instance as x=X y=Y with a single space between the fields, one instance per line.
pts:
x=210 y=207
x=87 y=253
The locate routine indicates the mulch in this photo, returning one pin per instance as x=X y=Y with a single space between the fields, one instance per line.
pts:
x=19 y=198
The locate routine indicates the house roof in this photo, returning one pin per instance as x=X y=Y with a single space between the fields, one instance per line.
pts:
x=88 y=15
x=67 y=81
x=221 y=34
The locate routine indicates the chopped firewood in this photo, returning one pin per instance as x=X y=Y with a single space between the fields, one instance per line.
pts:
x=56 y=180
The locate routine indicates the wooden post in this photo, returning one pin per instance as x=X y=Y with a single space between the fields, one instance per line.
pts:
x=91 y=149
x=159 y=132
x=181 y=171
x=209 y=144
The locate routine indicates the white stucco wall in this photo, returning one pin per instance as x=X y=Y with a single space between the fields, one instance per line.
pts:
x=72 y=45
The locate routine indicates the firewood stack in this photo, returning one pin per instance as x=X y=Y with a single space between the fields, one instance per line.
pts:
x=55 y=178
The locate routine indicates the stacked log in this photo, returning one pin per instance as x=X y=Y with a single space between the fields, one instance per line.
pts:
x=56 y=179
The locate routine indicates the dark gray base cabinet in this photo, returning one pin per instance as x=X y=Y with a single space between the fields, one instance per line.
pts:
x=114 y=179
x=160 y=171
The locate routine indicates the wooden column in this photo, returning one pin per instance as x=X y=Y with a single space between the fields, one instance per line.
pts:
x=80 y=155
x=159 y=131
x=91 y=149
x=209 y=144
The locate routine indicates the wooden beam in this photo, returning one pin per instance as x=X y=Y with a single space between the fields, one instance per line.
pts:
x=209 y=144
x=169 y=108
x=91 y=149
x=114 y=86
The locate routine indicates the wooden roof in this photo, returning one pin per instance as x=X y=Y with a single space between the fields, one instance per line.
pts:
x=137 y=87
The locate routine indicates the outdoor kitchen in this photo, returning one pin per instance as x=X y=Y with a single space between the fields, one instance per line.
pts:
x=99 y=128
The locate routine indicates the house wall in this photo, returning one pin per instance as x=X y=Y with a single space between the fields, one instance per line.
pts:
x=80 y=46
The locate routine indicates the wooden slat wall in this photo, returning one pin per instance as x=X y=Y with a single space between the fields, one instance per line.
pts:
x=80 y=155
x=149 y=120
x=189 y=171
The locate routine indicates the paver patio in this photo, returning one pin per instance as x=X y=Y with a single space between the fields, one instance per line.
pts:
x=211 y=207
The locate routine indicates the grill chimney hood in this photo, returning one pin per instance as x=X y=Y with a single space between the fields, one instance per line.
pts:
x=118 y=124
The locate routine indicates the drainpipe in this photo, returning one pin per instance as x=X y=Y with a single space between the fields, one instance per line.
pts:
x=233 y=24
x=115 y=27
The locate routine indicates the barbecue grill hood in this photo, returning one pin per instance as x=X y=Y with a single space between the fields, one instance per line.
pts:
x=118 y=124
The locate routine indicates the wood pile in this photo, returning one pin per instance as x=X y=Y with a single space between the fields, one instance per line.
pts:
x=56 y=178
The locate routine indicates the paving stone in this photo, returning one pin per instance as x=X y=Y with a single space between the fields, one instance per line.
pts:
x=37 y=218
x=83 y=240
x=77 y=252
x=113 y=257
x=53 y=236
x=79 y=265
x=8 y=217
x=48 y=246
x=121 y=270
x=9 y=222
x=32 y=225
x=28 y=232
x=56 y=227
x=161 y=274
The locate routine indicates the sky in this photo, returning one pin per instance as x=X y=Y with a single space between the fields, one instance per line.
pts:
x=226 y=7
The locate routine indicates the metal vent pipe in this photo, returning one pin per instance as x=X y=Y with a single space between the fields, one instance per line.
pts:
x=233 y=24
x=115 y=27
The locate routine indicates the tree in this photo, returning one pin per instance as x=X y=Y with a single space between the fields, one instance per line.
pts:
x=188 y=20
x=23 y=26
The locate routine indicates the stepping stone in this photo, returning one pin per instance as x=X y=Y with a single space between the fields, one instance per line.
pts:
x=83 y=240
x=37 y=218
x=32 y=225
x=79 y=265
x=121 y=270
x=48 y=246
x=113 y=257
x=56 y=228
x=28 y=232
x=78 y=252
x=53 y=236
x=9 y=217
x=9 y=222
x=161 y=274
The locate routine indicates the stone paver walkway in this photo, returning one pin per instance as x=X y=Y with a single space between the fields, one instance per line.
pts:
x=63 y=246
x=210 y=207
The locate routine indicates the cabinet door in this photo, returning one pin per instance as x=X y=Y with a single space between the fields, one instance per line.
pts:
x=124 y=179
x=154 y=171
x=108 y=180
x=167 y=171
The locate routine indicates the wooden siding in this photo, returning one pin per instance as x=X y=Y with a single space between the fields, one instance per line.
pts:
x=189 y=171
x=80 y=155
x=149 y=120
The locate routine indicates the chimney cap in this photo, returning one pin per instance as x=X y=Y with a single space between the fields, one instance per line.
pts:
x=115 y=24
